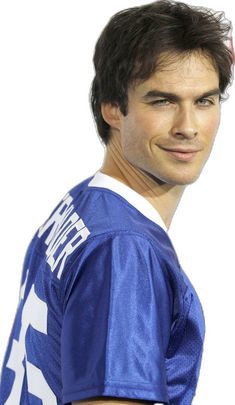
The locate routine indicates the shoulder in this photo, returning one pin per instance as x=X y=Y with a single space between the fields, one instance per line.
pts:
x=121 y=242
x=89 y=219
x=122 y=254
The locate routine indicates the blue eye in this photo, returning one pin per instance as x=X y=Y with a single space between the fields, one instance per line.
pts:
x=163 y=101
x=208 y=102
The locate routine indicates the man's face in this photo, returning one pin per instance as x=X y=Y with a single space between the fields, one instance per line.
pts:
x=158 y=131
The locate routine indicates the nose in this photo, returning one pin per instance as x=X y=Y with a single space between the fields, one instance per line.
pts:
x=184 y=124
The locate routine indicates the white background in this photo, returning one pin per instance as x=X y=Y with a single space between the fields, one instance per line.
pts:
x=49 y=144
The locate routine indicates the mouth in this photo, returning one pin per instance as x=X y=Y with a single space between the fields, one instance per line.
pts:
x=184 y=155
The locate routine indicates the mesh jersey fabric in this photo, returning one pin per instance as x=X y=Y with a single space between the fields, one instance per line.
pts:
x=105 y=308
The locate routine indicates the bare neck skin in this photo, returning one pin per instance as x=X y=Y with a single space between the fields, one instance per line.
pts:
x=163 y=197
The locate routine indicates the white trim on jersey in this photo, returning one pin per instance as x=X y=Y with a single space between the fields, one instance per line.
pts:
x=137 y=200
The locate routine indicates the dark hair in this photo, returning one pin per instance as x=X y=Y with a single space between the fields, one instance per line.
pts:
x=129 y=49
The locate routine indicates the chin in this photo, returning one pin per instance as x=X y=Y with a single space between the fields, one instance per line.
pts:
x=182 y=180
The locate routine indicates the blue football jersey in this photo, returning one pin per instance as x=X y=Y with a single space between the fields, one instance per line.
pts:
x=105 y=308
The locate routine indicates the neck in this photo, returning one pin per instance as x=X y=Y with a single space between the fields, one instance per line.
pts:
x=164 y=197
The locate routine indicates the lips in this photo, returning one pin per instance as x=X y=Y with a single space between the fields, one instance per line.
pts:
x=180 y=150
x=182 y=154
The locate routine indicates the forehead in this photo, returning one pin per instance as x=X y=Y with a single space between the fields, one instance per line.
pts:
x=192 y=74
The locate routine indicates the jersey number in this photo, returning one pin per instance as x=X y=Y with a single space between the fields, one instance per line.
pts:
x=37 y=384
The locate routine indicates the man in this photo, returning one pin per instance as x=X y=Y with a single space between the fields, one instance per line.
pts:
x=106 y=313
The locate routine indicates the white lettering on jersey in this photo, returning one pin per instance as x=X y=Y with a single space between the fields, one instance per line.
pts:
x=67 y=233
x=22 y=290
x=37 y=384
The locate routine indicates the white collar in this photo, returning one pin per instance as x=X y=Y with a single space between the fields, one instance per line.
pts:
x=137 y=200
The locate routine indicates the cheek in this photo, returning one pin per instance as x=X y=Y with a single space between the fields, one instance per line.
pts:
x=144 y=126
x=139 y=133
x=211 y=126
x=134 y=132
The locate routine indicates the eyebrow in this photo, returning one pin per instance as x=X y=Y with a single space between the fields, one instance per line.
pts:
x=174 y=97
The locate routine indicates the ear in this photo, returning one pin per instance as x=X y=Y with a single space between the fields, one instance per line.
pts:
x=111 y=114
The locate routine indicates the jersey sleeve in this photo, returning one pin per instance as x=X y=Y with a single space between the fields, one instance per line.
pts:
x=116 y=322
